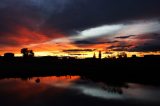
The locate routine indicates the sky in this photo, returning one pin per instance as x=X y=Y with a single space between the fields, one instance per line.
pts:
x=80 y=27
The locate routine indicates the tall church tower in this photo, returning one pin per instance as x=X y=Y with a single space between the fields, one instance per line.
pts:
x=94 y=55
x=100 y=55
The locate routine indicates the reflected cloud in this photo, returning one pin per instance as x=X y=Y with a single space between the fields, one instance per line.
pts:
x=53 y=88
x=142 y=93
x=61 y=81
x=98 y=91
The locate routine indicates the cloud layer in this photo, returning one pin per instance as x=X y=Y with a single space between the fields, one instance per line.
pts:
x=112 y=24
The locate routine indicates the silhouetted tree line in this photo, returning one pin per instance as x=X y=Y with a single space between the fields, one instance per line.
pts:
x=27 y=53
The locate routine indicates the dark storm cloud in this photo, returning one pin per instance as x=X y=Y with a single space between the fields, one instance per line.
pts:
x=147 y=47
x=13 y=16
x=79 y=50
x=149 y=36
x=8 y=42
x=93 y=42
x=120 y=47
x=84 y=14
x=146 y=43
x=85 y=42
x=114 y=41
x=88 y=42
x=69 y=16
x=152 y=44
x=17 y=16
x=124 y=37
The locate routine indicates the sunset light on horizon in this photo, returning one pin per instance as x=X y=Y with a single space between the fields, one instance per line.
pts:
x=75 y=28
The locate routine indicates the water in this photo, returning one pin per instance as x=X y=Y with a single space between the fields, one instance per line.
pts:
x=72 y=90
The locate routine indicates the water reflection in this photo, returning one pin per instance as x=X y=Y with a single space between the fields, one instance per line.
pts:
x=37 y=80
x=59 y=90
x=57 y=81
x=142 y=93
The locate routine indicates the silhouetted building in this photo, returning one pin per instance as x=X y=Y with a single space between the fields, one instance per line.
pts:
x=100 y=55
x=134 y=56
x=9 y=55
x=151 y=56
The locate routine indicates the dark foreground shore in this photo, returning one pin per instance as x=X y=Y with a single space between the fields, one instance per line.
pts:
x=138 y=70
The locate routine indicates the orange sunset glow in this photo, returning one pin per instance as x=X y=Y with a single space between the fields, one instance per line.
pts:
x=79 y=52
x=60 y=33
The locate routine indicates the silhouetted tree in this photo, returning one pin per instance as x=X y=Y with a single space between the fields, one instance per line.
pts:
x=31 y=53
x=24 y=51
x=27 y=53
x=122 y=55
